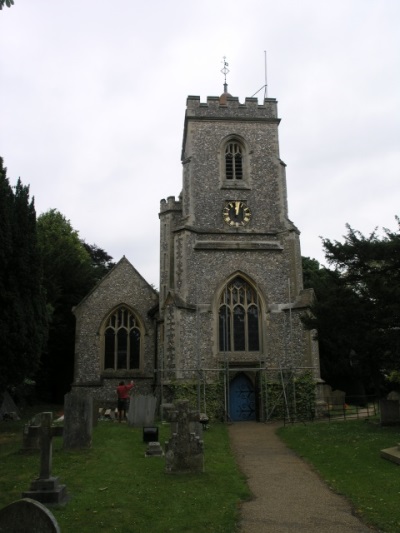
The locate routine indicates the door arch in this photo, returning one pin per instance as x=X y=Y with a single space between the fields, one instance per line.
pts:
x=242 y=399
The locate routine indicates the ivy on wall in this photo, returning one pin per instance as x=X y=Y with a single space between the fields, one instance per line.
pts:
x=291 y=398
x=211 y=396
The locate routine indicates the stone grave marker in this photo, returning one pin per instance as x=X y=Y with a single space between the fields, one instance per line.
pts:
x=392 y=454
x=8 y=409
x=154 y=450
x=338 y=398
x=184 y=451
x=78 y=420
x=46 y=489
x=31 y=434
x=141 y=410
x=389 y=412
x=393 y=395
x=25 y=516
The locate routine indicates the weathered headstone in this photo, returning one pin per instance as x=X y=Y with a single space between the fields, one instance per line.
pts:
x=154 y=450
x=338 y=397
x=8 y=409
x=394 y=395
x=184 y=451
x=46 y=489
x=389 y=412
x=31 y=434
x=141 y=410
x=27 y=515
x=78 y=420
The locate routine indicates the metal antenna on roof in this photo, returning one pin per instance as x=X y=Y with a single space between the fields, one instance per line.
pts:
x=265 y=71
x=265 y=86
x=225 y=71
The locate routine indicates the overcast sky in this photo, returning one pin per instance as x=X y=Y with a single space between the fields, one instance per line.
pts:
x=93 y=95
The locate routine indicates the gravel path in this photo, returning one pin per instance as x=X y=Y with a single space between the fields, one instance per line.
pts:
x=288 y=495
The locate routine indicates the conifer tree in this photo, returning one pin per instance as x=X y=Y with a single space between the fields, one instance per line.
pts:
x=23 y=319
x=357 y=309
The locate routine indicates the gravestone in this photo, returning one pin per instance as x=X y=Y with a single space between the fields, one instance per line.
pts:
x=8 y=409
x=393 y=395
x=184 y=451
x=46 y=489
x=78 y=420
x=154 y=450
x=141 y=410
x=389 y=412
x=338 y=397
x=31 y=434
x=25 y=516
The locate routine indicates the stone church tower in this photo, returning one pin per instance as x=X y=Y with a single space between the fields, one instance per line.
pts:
x=231 y=288
x=231 y=292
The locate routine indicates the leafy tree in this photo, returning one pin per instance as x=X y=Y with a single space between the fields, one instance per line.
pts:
x=7 y=3
x=23 y=319
x=71 y=268
x=66 y=262
x=67 y=278
x=101 y=261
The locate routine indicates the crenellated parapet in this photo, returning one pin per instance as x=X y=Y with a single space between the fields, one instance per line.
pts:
x=170 y=204
x=230 y=107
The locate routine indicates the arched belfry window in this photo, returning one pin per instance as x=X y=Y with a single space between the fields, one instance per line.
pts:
x=239 y=317
x=234 y=161
x=122 y=340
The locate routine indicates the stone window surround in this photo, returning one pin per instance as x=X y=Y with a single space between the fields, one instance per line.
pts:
x=122 y=372
x=244 y=182
x=240 y=356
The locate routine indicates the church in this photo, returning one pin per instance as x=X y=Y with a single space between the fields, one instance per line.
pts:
x=231 y=294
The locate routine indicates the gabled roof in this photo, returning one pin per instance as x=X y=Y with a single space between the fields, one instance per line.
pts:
x=121 y=263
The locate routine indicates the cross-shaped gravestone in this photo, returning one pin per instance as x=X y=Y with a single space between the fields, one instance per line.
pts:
x=182 y=418
x=184 y=450
x=46 y=489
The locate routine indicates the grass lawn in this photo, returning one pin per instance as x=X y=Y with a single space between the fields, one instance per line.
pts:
x=347 y=455
x=114 y=488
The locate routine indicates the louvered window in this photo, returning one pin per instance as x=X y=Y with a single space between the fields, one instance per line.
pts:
x=233 y=161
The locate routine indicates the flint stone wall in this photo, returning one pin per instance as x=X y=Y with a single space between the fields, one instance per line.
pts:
x=123 y=285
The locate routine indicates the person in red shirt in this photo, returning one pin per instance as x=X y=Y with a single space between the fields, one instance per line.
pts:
x=123 y=397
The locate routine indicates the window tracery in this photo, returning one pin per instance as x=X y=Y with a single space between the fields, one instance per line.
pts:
x=122 y=341
x=239 y=317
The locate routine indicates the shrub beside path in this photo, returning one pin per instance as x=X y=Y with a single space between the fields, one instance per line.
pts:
x=288 y=495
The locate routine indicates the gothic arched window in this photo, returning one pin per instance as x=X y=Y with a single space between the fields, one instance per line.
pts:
x=234 y=161
x=239 y=317
x=122 y=341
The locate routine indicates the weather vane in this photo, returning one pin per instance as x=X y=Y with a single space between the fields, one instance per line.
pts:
x=225 y=71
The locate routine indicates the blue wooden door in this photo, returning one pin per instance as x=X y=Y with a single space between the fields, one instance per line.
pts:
x=242 y=399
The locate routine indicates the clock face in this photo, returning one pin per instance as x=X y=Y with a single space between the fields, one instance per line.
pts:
x=236 y=214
